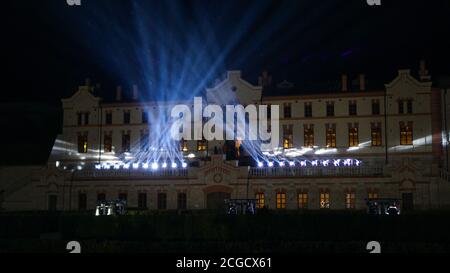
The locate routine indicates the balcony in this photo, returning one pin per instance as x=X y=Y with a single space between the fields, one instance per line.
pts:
x=317 y=171
x=118 y=173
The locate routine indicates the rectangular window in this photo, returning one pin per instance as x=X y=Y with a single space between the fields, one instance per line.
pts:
x=144 y=141
x=183 y=145
x=376 y=136
x=324 y=200
x=82 y=201
x=107 y=143
x=400 y=107
x=123 y=196
x=372 y=195
x=330 y=109
x=308 y=134
x=308 y=109
x=126 y=142
x=375 y=107
x=162 y=200
x=79 y=119
x=126 y=117
x=406 y=134
x=302 y=200
x=281 y=200
x=350 y=200
x=82 y=143
x=86 y=118
x=142 y=200
x=181 y=200
x=409 y=106
x=353 y=140
x=287 y=110
x=352 y=109
x=331 y=137
x=108 y=118
x=101 y=197
x=288 y=137
x=260 y=200
x=144 y=117
x=202 y=145
x=52 y=202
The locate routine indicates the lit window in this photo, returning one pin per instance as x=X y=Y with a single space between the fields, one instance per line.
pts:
x=82 y=143
x=302 y=200
x=406 y=134
x=287 y=136
x=202 y=145
x=331 y=137
x=350 y=200
x=259 y=200
x=308 y=136
x=324 y=200
x=108 y=143
x=376 y=136
x=353 y=140
x=281 y=200
x=183 y=145
x=372 y=195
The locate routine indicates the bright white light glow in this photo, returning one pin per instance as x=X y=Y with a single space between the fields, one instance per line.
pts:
x=164 y=165
x=145 y=165
x=270 y=164
x=260 y=164
x=184 y=164
x=174 y=165
x=135 y=165
x=154 y=166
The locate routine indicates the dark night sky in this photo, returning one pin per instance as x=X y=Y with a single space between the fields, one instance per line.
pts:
x=49 y=47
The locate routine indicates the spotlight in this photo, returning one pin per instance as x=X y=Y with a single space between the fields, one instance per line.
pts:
x=57 y=164
x=126 y=166
x=98 y=166
x=145 y=165
x=79 y=168
x=260 y=164
x=116 y=166
x=270 y=164
x=135 y=165
x=174 y=165
x=154 y=166
x=291 y=163
x=106 y=166
x=164 y=165
x=184 y=164
x=281 y=163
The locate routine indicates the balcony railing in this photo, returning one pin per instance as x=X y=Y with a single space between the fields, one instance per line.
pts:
x=93 y=173
x=317 y=171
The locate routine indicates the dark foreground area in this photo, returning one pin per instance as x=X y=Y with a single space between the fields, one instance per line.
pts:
x=208 y=232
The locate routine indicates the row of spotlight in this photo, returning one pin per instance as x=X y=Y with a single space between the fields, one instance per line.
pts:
x=153 y=166
x=313 y=163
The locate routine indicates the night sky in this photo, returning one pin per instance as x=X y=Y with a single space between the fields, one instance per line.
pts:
x=173 y=48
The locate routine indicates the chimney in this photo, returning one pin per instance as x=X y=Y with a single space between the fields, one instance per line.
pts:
x=362 y=82
x=119 y=93
x=423 y=72
x=344 y=82
x=135 y=92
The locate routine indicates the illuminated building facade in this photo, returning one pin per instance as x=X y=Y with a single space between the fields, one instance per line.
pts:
x=346 y=146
